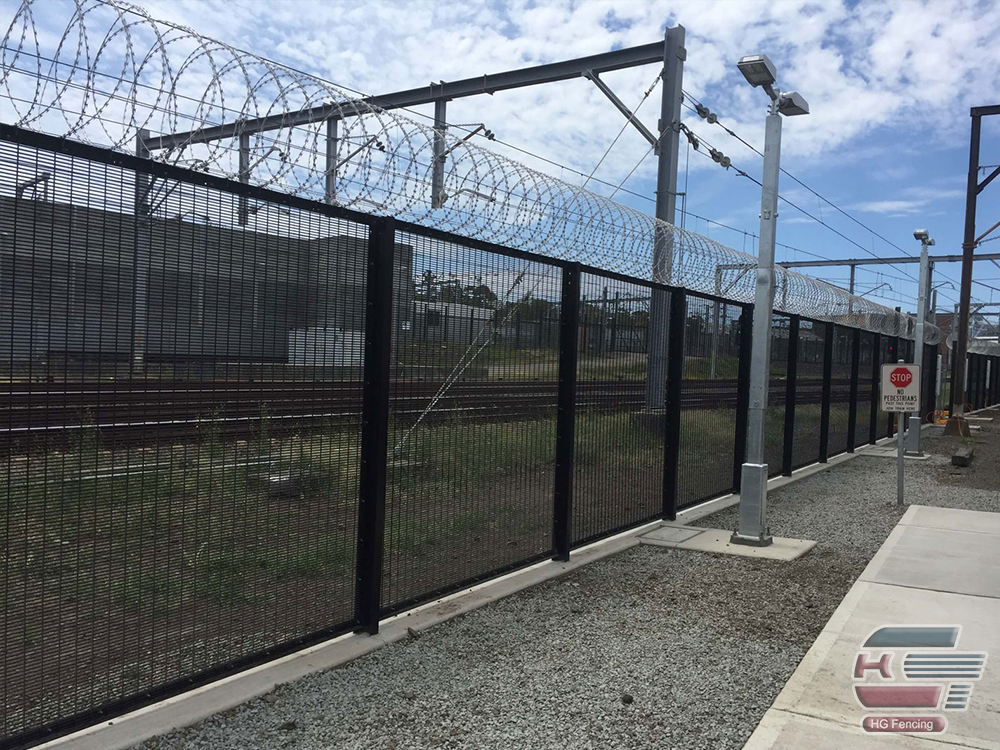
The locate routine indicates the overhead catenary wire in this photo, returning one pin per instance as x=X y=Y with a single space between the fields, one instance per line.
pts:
x=743 y=173
x=791 y=176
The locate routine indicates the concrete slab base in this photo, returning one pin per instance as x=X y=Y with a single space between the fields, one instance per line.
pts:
x=719 y=542
x=891 y=451
x=939 y=566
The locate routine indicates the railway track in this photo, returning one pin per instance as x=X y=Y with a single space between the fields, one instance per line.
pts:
x=148 y=411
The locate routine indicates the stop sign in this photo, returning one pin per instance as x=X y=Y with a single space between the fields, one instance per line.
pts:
x=900 y=377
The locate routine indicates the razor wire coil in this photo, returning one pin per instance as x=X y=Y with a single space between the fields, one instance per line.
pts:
x=105 y=72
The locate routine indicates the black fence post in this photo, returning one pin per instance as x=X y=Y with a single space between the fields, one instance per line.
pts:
x=928 y=404
x=875 y=375
x=791 y=371
x=742 y=396
x=996 y=378
x=569 y=332
x=672 y=413
x=952 y=366
x=824 y=414
x=852 y=414
x=375 y=425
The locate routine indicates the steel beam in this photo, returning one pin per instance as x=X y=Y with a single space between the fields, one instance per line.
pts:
x=956 y=422
x=437 y=173
x=673 y=54
x=630 y=57
x=142 y=242
x=621 y=107
x=243 y=212
x=332 y=126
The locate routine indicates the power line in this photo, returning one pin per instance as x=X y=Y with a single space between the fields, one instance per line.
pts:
x=648 y=152
x=800 y=182
x=794 y=205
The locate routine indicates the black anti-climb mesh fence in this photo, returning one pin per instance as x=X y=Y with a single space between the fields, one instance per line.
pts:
x=471 y=447
x=709 y=393
x=237 y=422
x=618 y=449
x=840 y=390
x=774 y=421
x=808 y=392
x=180 y=438
x=862 y=426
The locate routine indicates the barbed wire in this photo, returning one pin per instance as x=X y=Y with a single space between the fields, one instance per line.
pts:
x=105 y=72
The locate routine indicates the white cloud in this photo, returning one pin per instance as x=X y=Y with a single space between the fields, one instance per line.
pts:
x=911 y=201
x=911 y=66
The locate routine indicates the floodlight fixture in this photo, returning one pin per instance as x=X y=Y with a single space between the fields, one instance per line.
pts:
x=920 y=234
x=758 y=70
x=791 y=103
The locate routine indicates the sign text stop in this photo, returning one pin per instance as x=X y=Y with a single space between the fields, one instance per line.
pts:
x=901 y=377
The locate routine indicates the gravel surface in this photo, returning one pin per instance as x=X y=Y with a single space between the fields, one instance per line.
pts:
x=651 y=648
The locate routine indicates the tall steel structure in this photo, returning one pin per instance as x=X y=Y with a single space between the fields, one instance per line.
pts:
x=956 y=422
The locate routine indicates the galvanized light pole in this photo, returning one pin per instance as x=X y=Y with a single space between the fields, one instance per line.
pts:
x=759 y=71
x=913 y=435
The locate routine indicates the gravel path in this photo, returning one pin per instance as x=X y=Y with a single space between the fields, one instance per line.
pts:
x=651 y=648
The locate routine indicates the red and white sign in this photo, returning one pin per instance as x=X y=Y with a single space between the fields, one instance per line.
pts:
x=900 y=387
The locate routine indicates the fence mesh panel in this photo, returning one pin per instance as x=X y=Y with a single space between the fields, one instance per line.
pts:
x=472 y=409
x=862 y=430
x=709 y=392
x=840 y=389
x=180 y=449
x=618 y=451
x=774 y=420
x=808 y=393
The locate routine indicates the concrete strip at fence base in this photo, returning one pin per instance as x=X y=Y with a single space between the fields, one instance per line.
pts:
x=201 y=703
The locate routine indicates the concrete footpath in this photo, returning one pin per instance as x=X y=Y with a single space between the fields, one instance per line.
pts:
x=939 y=566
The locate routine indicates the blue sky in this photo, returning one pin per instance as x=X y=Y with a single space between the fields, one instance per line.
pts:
x=889 y=83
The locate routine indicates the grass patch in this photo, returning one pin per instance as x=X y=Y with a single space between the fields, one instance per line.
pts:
x=153 y=591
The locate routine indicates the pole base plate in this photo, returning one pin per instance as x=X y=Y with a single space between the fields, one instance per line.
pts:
x=752 y=541
x=957 y=427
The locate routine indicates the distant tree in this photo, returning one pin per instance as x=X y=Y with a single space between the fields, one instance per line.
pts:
x=481 y=295
x=428 y=287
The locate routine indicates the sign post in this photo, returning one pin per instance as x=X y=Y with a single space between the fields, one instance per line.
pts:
x=900 y=393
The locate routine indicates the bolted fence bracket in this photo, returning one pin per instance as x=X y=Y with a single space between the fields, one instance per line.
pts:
x=375 y=425
x=569 y=330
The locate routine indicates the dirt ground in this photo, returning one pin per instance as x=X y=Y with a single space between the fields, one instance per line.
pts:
x=984 y=473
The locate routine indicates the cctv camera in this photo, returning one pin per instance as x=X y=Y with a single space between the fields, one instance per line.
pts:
x=920 y=234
